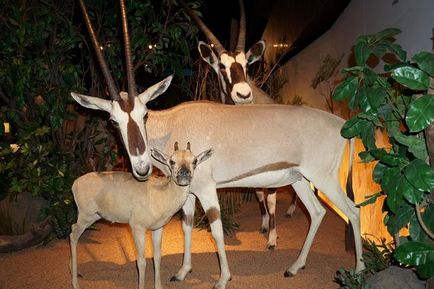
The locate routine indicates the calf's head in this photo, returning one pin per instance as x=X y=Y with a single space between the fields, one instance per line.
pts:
x=181 y=163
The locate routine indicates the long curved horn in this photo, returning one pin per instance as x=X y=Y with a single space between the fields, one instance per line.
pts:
x=132 y=89
x=114 y=93
x=241 y=43
x=217 y=45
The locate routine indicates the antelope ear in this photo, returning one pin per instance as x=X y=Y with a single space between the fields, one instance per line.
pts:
x=159 y=156
x=92 y=102
x=208 y=55
x=203 y=156
x=155 y=90
x=255 y=52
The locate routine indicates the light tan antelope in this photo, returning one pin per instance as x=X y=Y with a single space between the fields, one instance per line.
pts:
x=234 y=83
x=307 y=146
x=119 y=197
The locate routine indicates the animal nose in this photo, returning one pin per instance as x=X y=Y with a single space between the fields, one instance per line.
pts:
x=240 y=95
x=143 y=169
x=184 y=173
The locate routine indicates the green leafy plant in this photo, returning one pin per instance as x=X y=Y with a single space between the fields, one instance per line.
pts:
x=44 y=55
x=376 y=257
x=396 y=100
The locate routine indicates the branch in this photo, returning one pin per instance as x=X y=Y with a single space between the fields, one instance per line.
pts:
x=422 y=223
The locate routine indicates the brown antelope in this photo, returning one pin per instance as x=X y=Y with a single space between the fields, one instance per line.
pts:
x=307 y=146
x=234 y=83
x=119 y=197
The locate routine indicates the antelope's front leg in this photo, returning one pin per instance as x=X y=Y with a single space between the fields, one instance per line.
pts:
x=187 y=227
x=210 y=204
x=156 y=244
x=139 y=241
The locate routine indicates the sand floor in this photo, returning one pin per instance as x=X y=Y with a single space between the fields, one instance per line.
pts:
x=106 y=256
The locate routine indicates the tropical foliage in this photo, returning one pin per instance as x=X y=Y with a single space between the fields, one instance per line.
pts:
x=395 y=98
x=44 y=55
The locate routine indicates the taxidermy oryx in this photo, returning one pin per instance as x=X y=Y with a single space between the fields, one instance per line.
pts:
x=119 y=197
x=307 y=146
x=234 y=83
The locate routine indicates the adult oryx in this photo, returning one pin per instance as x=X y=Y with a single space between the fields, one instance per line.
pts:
x=234 y=83
x=307 y=146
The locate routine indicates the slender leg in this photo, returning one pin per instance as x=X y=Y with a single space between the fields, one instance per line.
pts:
x=209 y=201
x=333 y=191
x=316 y=212
x=139 y=241
x=187 y=226
x=156 y=244
x=272 y=236
x=260 y=194
x=292 y=206
x=77 y=229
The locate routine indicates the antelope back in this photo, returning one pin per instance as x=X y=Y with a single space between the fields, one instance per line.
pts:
x=127 y=109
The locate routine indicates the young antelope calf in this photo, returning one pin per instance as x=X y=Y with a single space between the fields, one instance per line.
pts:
x=118 y=197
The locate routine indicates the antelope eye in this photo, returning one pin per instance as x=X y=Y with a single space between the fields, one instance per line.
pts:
x=172 y=163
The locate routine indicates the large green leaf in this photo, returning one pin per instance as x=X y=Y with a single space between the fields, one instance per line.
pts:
x=421 y=113
x=415 y=253
x=353 y=127
x=410 y=193
x=420 y=175
x=362 y=51
x=367 y=134
x=416 y=231
x=415 y=145
x=411 y=77
x=376 y=97
x=346 y=89
x=428 y=216
x=386 y=33
x=370 y=199
x=390 y=185
x=426 y=271
x=400 y=218
x=390 y=159
x=379 y=171
x=397 y=50
x=425 y=60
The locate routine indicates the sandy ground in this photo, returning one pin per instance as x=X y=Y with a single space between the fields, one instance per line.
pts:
x=106 y=256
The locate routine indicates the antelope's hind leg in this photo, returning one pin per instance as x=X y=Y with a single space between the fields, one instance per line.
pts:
x=316 y=212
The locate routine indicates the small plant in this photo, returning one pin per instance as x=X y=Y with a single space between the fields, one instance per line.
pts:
x=350 y=279
x=396 y=100
x=376 y=258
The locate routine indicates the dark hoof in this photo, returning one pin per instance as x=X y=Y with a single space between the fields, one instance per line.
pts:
x=304 y=267
x=263 y=231
x=79 y=275
x=288 y=274
x=271 y=247
x=230 y=278
x=288 y=215
x=174 y=279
